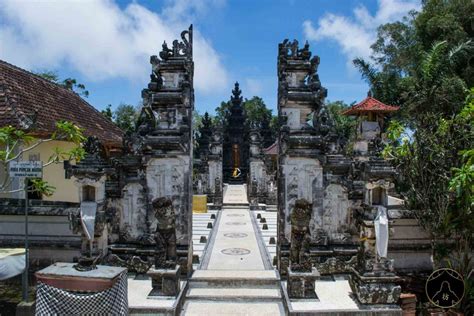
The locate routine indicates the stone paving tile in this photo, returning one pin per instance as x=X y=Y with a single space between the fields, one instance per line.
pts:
x=235 y=246
x=271 y=221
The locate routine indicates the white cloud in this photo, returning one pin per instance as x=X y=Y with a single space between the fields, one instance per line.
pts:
x=252 y=87
x=356 y=35
x=102 y=41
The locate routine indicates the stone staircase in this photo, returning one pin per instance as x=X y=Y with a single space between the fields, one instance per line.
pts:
x=228 y=292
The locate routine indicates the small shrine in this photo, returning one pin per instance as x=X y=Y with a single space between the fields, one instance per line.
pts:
x=372 y=114
x=236 y=146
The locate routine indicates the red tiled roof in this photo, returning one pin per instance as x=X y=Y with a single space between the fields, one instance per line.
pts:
x=370 y=104
x=22 y=94
x=272 y=149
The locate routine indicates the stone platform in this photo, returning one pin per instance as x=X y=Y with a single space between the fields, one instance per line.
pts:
x=335 y=298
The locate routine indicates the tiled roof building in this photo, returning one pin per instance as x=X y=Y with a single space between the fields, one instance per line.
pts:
x=26 y=97
x=370 y=104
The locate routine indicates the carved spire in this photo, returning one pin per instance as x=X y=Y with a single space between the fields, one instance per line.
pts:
x=182 y=48
x=236 y=97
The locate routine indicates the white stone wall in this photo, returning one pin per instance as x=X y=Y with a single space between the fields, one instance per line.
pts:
x=133 y=211
x=304 y=178
x=168 y=177
x=334 y=217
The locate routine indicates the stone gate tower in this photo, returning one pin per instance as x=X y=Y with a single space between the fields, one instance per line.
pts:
x=300 y=171
x=167 y=146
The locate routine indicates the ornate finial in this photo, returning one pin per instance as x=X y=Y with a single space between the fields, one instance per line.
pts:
x=289 y=49
x=236 y=97
x=369 y=93
x=179 y=49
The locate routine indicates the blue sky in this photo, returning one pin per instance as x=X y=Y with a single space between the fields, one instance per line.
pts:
x=106 y=44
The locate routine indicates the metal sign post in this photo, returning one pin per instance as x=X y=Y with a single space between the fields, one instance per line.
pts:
x=26 y=170
x=27 y=255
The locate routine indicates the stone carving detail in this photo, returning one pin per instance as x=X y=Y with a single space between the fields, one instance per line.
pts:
x=179 y=49
x=165 y=234
x=235 y=251
x=236 y=235
x=132 y=263
x=336 y=265
x=300 y=237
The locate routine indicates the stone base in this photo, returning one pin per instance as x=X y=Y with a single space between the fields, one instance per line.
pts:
x=25 y=308
x=301 y=284
x=335 y=298
x=165 y=282
x=375 y=289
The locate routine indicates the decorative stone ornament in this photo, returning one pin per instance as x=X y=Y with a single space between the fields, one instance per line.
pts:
x=165 y=273
x=301 y=275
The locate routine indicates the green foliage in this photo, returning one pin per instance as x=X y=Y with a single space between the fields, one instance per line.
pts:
x=258 y=114
x=256 y=110
x=14 y=143
x=125 y=117
x=344 y=125
x=222 y=112
x=436 y=164
x=42 y=187
x=68 y=131
x=68 y=83
x=424 y=62
x=108 y=112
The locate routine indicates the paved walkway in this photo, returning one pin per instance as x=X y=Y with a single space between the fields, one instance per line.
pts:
x=235 y=194
x=234 y=279
x=235 y=246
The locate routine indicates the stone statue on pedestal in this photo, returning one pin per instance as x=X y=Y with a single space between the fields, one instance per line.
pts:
x=165 y=234
x=165 y=274
x=300 y=236
x=301 y=274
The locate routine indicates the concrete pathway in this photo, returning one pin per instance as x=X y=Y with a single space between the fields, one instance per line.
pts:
x=235 y=246
x=233 y=278
x=235 y=194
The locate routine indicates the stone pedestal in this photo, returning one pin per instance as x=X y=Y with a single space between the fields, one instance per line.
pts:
x=165 y=282
x=301 y=284
x=63 y=290
x=371 y=288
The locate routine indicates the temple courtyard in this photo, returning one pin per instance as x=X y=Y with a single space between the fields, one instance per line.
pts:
x=306 y=206
x=236 y=276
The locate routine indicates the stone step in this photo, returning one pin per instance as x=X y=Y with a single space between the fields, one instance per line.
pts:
x=232 y=308
x=235 y=205
x=235 y=278
x=242 y=293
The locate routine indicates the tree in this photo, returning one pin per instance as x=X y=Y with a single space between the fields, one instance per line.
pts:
x=125 y=117
x=68 y=83
x=108 y=112
x=258 y=114
x=256 y=110
x=436 y=164
x=344 y=125
x=222 y=112
x=424 y=64
x=395 y=72
x=15 y=143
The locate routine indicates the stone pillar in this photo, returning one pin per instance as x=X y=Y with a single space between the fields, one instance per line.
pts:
x=374 y=280
x=201 y=157
x=215 y=167
x=166 y=144
x=300 y=173
x=257 y=179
